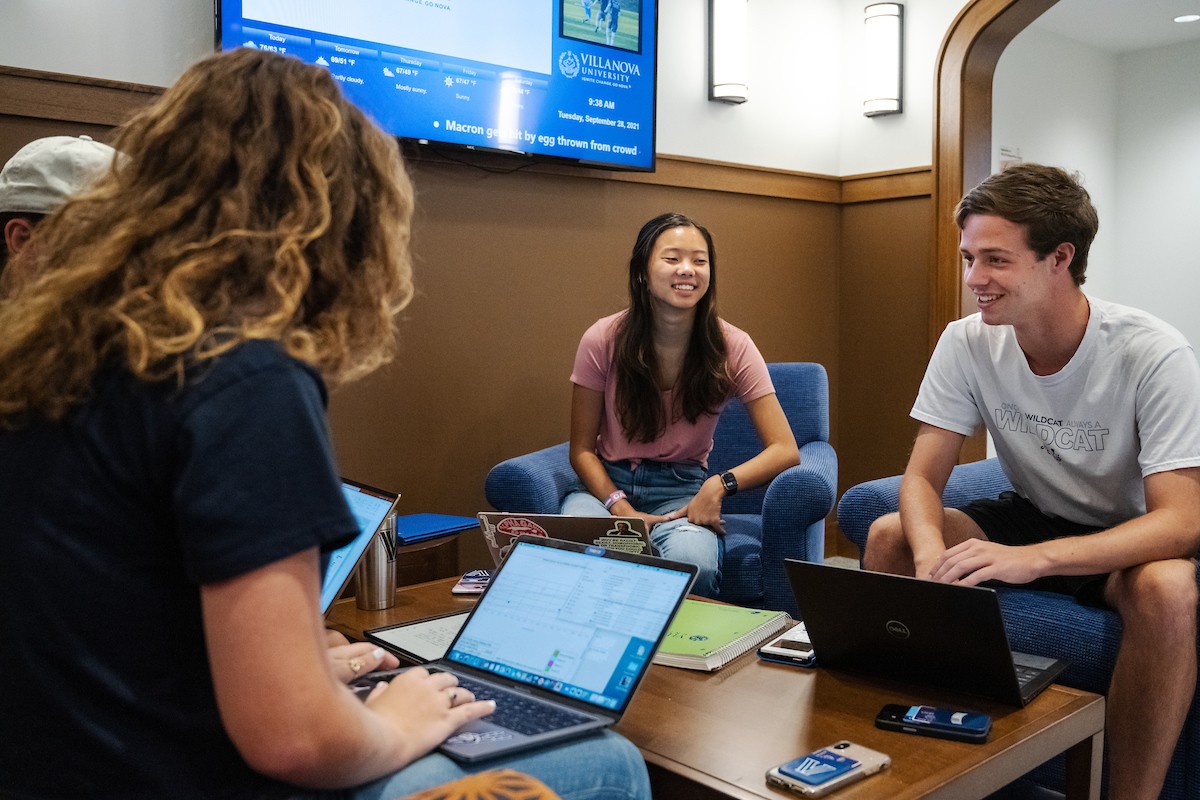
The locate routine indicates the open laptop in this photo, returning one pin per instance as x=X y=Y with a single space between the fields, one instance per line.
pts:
x=627 y=534
x=370 y=507
x=561 y=639
x=937 y=634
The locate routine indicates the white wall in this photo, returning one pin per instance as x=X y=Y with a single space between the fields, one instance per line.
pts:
x=138 y=41
x=1158 y=184
x=893 y=142
x=1055 y=101
x=805 y=107
x=805 y=111
x=786 y=123
x=1129 y=124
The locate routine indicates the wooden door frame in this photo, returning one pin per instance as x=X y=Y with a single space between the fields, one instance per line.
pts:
x=962 y=142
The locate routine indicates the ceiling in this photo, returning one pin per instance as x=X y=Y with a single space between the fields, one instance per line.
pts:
x=1122 y=26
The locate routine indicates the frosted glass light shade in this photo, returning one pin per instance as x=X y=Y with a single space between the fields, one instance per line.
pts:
x=883 y=54
x=727 y=59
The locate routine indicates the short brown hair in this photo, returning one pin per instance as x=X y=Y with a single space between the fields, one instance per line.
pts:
x=1050 y=202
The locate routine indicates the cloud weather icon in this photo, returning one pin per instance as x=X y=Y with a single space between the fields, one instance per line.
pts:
x=321 y=61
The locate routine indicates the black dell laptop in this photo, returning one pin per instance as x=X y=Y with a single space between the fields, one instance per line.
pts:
x=936 y=634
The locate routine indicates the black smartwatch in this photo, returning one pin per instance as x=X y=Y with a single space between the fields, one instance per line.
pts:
x=729 y=481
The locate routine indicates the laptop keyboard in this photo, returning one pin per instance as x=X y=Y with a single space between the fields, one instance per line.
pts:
x=519 y=713
x=1026 y=674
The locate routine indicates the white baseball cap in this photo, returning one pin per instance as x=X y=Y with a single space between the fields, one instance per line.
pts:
x=45 y=172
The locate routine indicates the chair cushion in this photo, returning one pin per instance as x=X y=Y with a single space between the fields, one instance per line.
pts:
x=1054 y=625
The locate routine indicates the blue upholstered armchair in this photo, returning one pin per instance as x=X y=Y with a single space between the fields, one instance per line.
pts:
x=1042 y=623
x=763 y=526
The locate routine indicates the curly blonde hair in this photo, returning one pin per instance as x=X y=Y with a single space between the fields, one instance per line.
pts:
x=252 y=201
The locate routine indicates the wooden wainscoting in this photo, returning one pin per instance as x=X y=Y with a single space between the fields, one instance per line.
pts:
x=514 y=261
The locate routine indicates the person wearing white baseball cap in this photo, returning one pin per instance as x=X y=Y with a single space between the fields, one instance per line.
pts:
x=39 y=179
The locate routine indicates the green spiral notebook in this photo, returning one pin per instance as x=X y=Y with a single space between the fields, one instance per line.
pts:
x=707 y=636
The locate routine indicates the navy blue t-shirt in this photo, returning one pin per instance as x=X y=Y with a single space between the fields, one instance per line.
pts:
x=109 y=523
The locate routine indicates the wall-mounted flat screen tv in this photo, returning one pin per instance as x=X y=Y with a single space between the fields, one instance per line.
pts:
x=555 y=79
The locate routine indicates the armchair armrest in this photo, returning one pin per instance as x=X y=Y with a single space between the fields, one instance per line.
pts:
x=863 y=504
x=798 y=497
x=973 y=481
x=534 y=483
x=793 y=520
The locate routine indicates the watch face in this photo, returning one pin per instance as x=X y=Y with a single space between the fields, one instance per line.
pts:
x=730 y=481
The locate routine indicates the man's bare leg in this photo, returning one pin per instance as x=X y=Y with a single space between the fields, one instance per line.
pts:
x=888 y=550
x=1155 y=674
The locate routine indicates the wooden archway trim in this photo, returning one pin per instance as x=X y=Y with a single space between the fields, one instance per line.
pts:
x=962 y=139
x=963 y=130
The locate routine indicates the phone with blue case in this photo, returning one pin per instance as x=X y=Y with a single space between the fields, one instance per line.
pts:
x=941 y=723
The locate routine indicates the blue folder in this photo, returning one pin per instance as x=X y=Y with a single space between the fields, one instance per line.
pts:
x=412 y=528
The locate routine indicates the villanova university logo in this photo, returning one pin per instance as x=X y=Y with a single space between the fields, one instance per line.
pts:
x=568 y=64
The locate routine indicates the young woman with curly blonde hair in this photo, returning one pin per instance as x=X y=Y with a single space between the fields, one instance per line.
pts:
x=167 y=482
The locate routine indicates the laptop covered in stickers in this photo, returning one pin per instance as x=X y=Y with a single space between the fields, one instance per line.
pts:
x=625 y=534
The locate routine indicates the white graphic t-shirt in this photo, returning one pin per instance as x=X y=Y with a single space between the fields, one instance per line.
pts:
x=1077 y=443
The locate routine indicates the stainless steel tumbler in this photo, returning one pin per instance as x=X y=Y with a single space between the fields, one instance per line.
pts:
x=377 y=570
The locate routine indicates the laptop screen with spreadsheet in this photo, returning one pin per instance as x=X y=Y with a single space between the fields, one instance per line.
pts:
x=582 y=623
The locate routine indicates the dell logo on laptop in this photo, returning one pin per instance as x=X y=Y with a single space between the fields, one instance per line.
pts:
x=897 y=628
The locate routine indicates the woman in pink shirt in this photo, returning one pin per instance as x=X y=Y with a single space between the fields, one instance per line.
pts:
x=649 y=384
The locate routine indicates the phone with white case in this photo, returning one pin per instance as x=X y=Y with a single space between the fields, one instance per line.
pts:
x=820 y=772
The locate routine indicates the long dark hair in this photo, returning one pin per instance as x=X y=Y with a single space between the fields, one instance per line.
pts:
x=703 y=383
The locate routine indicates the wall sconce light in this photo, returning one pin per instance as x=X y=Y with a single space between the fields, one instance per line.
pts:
x=727 y=51
x=883 y=59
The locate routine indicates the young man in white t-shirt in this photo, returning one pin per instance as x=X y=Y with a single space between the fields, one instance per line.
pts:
x=1094 y=409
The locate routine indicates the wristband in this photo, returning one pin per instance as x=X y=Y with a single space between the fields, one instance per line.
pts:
x=613 y=499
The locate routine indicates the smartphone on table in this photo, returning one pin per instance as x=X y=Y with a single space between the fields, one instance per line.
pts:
x=473 y=582
x=942 y=723
x=820 y=772
x=792 y=647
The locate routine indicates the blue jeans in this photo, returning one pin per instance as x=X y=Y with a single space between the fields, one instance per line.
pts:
x=657 y=487
x=605 y=766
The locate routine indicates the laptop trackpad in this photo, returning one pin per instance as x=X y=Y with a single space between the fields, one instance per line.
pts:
x=480 y=732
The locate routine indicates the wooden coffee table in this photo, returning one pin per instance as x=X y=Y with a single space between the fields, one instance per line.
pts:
x=714 y=734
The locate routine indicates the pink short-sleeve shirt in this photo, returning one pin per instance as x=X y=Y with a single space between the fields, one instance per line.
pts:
x=682 y=442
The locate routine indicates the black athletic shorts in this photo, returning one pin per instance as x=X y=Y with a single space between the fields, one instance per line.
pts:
x=1013 y=520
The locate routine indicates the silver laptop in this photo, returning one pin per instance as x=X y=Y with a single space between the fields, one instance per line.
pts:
x=370 y=507
x=627 y=534
x=937 y=634
x=561 y=639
